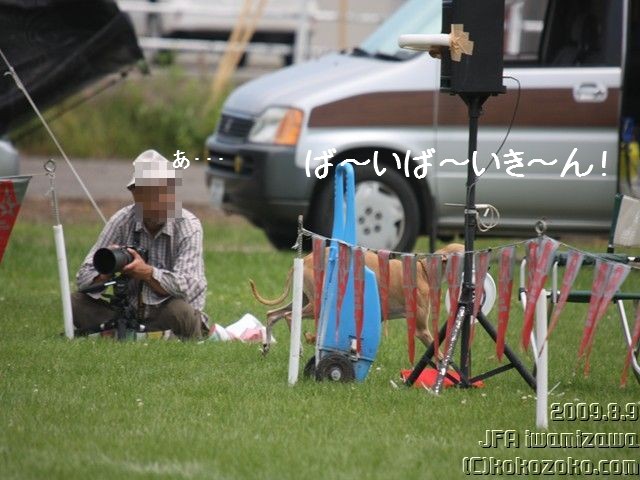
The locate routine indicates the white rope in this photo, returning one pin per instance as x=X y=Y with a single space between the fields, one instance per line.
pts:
x=485 y=224
x=20 y=85
x=23 y=175
x=309 y=233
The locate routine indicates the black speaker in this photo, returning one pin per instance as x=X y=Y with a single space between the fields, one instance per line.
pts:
x=480 y=72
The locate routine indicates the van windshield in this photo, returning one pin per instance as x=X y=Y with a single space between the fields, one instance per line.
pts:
x=415 y=16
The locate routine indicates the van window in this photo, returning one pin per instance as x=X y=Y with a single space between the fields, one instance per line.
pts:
x=563 y=33
x=523 y=26
x=582 y=33
x=415 y=16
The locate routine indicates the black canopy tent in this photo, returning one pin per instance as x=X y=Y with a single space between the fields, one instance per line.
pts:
x=58 y=47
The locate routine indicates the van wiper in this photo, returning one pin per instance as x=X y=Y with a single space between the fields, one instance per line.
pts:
x=360 y=52
x=387 y=56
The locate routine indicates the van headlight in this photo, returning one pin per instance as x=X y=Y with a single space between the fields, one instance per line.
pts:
x=277 y=125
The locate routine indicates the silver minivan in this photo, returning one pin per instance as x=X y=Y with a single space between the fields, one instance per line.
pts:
x=572 y=72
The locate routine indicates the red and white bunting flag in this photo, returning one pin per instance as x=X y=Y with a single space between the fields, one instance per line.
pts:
x=454 y=270
x=544 y=258
x=635 y=338
x=358 y=293
x=318 y=277
x=617 y=274
x=482 y=268
x=574 y=262
x=409 y=288
x=597 y=291
x=11 y=194
x=344 y=262
x=383 y=286
x=434 y=279
x=505 y=286
x=481 y=263
x=531 y=251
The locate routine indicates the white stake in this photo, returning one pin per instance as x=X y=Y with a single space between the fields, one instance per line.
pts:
x=63 y=274
x=541 y=362
x=296 y=321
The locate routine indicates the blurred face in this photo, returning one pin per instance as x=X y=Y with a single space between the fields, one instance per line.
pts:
x=156 y=204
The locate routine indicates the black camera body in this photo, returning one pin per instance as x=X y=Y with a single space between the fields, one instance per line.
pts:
x=112 y=260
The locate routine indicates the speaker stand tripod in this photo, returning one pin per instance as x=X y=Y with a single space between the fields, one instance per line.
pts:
x=463 y=318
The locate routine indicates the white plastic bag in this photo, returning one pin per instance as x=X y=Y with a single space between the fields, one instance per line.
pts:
x=247 y=329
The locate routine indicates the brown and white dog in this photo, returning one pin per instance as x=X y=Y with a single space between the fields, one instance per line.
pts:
x=396 y=294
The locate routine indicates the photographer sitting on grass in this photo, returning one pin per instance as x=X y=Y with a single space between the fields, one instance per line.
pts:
x=168 y=290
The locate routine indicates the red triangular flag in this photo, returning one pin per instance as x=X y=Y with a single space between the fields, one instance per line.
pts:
x=344 y=262
x=574 y=262
x=383 y=286
x=11 y=194
x=532 y=249
x=410 y=300
x=358 y=293
x=635 y=338
x=544 y=258
x=318 y=277
x=481 y=265
x=505 y=286
x=597 y=290
x=434 y=279
x=617 y=273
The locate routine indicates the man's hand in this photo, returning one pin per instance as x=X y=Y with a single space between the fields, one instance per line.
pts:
x=141 y=270
x=138 y=268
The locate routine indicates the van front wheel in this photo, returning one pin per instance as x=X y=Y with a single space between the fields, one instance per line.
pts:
x=387 y=213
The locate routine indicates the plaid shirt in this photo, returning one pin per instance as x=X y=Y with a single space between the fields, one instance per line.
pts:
x=175 y=253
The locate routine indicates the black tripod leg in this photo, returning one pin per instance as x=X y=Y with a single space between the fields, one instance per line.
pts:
x=510 y=354
x=426 y=358
x=462 y=315
x=122 y=329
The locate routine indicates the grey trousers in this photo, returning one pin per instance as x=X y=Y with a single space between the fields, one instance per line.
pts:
x=174 y=314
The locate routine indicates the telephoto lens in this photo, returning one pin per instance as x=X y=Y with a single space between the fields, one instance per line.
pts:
x=111 y=260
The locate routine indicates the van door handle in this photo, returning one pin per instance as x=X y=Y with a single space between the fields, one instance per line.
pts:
x=590 y=92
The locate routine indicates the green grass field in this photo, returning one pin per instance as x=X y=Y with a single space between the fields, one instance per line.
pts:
x=101 y=409
x=167 y=109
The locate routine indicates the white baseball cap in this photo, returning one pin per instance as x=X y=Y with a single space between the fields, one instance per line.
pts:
x=150 y=168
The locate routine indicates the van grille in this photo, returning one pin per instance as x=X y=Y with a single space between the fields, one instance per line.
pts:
x=232 y=128
x=223 y=162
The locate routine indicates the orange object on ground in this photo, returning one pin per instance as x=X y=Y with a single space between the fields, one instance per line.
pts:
x=428 y=378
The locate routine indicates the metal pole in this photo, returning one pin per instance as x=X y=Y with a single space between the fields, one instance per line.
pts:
x=462 y=323
x=63 y=275
x=61 y=252
x=296 y=312
x=461 y=315
x=474 y=103
x=296 y=321
x=343 y=7
x=301 y=46
x=542 y=362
